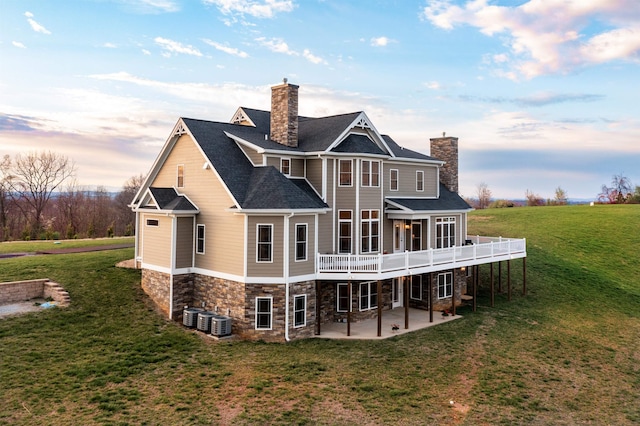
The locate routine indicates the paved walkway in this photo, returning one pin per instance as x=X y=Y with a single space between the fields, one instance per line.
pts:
x=418 y=319
x=17 y=308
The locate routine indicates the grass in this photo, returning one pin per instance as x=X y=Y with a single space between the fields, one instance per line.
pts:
x=33 y=246
x=567 y=353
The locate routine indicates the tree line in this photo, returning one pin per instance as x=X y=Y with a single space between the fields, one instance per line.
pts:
x=620 y=191
x=41 y=199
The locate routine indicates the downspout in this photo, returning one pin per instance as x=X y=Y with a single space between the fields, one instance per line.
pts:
x=286 y=276
x=174 y=230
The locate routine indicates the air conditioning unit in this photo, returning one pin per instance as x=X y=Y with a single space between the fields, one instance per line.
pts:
x=190 y=317
x=221 y=326
x=204 y=321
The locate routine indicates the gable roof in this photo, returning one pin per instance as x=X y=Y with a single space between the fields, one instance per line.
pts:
x=168 y=200
x=355 y=143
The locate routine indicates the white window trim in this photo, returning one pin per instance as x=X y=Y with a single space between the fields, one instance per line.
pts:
x=304 y=310
x=397 y=180
x=370 y=285
x=258 y=225
x=340 y=221
x=306 y=242
x=366 y=183
x=370 y=221
x=178 y=185
x=440 y=223
x=419 y=180
x=444 y=275
x=411 y=295
x=340 y=173
x=198 y=227
x=282 y=160
x=346 y=286
x=270 y=313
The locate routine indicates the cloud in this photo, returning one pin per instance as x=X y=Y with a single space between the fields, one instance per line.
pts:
x=18 y=44
x=548 y=37
x=255 y=8
x=12 y=122
x=380 y=41
x=226 y=49
x=536 y=100
x=312 y=58
x=171 y=46
x=110 y=45
x=35 y=26
x=433 y=85
x=276 y=45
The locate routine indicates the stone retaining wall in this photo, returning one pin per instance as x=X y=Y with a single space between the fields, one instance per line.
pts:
x=20 y=291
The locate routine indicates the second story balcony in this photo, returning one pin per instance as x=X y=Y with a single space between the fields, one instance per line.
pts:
x=477 y=251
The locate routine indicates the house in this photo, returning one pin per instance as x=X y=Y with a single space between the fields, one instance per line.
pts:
x=285 y=223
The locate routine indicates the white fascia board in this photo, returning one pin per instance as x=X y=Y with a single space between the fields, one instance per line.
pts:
x=161 y=158
x=244 y=142
x=421 y=214
x=403 y=160
x=278 y=212
x=362 y=116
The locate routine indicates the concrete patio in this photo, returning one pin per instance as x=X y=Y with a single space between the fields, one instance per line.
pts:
x=418 y=319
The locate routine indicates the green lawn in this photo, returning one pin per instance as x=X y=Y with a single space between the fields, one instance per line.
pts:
x=567 y=353
x=33 y=246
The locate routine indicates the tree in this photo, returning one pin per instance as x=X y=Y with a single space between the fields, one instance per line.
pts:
x=125 y=218
x=484 y=195
x=619 y=191
x=32 y=180
x=533 y=199
x=561 y=197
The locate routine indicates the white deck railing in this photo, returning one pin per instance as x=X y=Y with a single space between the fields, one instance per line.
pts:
x=482 y=250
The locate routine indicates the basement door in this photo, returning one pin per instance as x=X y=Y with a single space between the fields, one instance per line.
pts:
x=396 y=293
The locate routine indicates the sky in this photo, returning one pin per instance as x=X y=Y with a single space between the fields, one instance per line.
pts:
x=541 y=93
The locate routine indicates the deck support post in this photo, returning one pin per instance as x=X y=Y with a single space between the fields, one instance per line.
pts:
x=524 y=276
x=453 y=295
x=509 y=279
x=405 y=295
x=500 y=277
x=492 y=289
x=430 y=296
x=318 y=308
x=349 y=310
x=379 y=308
x=476 y=283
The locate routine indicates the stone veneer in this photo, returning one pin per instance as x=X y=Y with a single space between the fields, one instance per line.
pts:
x=284 y=114
x=446 y=149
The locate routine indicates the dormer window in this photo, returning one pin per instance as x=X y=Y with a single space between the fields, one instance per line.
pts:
x=285 y=166
x=180 y=176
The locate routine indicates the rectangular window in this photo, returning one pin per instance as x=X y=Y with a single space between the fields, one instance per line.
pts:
x=285 y=166
x=368 y=295
x=370 y=231
x=393 y=179
x=153 y=222
x=200 y=239
x=416 y=287
x=344 y=230
x=180 y=174
x=343 y=298
x=370 y=173
x=416 y=236
x=300 y=310
x=345 y=167
x=445 y=285
x=264 y=243
x=263 y=313
x=445 y=232
x=420 y=181
x=301 y=241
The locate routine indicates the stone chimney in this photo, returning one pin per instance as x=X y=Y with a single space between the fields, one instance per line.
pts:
x=446 y=149
x=284 y=114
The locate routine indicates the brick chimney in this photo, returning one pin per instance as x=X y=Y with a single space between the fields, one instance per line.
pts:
x=284 y=114
x=446 y=149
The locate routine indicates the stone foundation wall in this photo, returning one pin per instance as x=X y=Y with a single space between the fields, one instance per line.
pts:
x=156 y=285
x=459 y=288
x=20 y=291
x=182 y=294
x=223 y=297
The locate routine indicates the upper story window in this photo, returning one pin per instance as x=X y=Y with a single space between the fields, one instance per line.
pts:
x=393 y=179
x=265 y=243
x=344 y=231
x=200 y=239
x=285 y=166
x=419 y=180
x=370 y=231
x=370 y=173
x=445 y=232
x=180 y=176
x=345 y=171
x=301 y=242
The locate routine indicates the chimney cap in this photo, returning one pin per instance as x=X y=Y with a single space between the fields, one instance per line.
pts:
x=284 y=80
